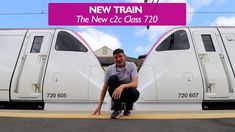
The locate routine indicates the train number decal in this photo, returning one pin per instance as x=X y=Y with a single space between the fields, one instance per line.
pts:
x=188 y=95
x=56 y=95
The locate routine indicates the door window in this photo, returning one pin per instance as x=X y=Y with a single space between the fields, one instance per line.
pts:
x=208 y=44
x=37 y=43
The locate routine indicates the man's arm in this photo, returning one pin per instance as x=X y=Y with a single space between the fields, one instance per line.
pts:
x=132 y=84
x=102 y=96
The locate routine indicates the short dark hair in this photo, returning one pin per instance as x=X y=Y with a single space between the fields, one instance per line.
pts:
x=117 y=51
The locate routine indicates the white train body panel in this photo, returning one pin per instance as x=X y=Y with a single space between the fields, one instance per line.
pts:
x=187 y=67
x=48 y=65
x=10 y=44
x=175 y=72
x=72 y=76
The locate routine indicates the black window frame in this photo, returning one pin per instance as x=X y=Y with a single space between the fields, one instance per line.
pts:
x=208 y=48
x=36 y=47
x=172 y=42
x=76 y=43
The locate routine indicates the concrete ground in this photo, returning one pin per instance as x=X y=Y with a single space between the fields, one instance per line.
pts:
x=55 y=121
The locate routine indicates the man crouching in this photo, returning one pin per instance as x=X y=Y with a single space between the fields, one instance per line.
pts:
x=121 y=81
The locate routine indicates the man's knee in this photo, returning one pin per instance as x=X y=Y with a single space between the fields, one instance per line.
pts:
x=133 y=94
x=136 y=94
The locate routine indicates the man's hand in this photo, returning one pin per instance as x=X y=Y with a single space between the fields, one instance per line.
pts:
x=117 y=92
x=102 y=95
x=97 y=110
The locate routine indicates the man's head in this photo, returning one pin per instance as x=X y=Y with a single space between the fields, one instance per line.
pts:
x=119 y=57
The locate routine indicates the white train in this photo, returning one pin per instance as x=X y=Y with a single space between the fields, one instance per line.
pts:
x=189 y=68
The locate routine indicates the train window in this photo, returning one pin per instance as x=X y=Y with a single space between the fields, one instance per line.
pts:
x=180 y=40
x=176 y=41
x=37 y=43
x=165 y=45
x=67 y=42
x=208 y=43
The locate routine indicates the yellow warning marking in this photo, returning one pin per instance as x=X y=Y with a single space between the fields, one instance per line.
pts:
x=168 y=115
x=182 y=116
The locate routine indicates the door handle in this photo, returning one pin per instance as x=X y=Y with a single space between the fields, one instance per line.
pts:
x=37 y=87
x=42 y=59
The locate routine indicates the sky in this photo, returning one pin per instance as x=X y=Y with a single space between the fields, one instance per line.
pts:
x=135 y=40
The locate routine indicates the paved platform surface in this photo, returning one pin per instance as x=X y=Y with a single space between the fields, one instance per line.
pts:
x=106 y=115
x=54 y=121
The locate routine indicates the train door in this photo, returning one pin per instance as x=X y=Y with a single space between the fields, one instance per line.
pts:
x=68 y=70
x=27 y=80
x=212 y=61
x=176 y=70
